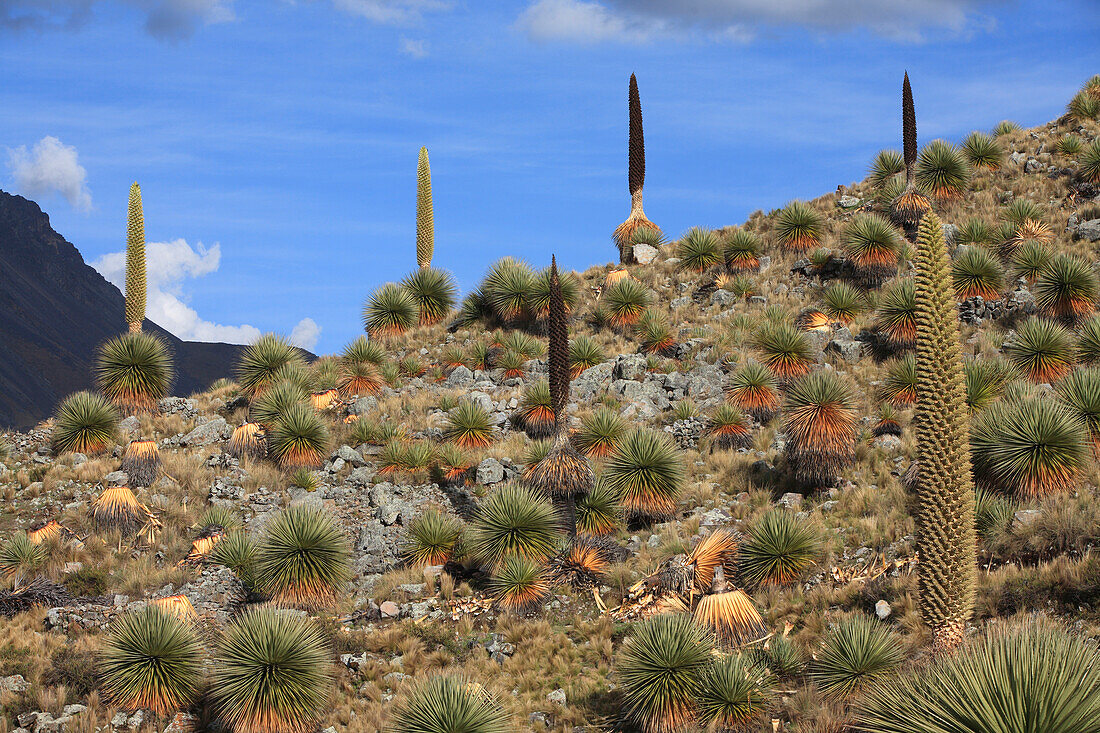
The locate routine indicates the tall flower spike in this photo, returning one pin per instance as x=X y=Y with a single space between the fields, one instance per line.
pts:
x=624 y=234
x=908 y=208
x=425 y=222
x=946 y=543
x=135 y=261
x=558 y=350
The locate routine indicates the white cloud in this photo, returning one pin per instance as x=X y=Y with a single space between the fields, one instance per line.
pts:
x=390 y=11
x=50 y=167
x=417 y=48
x=629 y=20
x=305 y=334
x=164 y=19
x=168 y=265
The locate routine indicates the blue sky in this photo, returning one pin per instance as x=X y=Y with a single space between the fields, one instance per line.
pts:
x=276 y=141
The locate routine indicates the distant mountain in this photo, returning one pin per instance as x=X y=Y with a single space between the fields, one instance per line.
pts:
x=55 y=310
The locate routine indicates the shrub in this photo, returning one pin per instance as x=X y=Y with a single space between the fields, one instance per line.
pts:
x=1067 y=289
x=982 y=151
x=733 y=692
x=742 y=251
x=432 y=538
x=753 y=389
x=1025 y=678
x=261 y=360
x=798 y=227
x=84 y=423
x=660 y=667
x=698 y=250
x=600 y=433
x=299 y=438
x=469 y=426
x=624 y=302
x=897 y=313
x=647 y=473
x=1029 y=447
x=390 y=310
x=843 y=302
x=1041 y=350
x=780 y=549
x=943 y=171
x=134 y=370
x=272 y=673
x=872 y=244
x=433 y=291
x=151 y=659
x=449 y=704
x=856 y=652
x=784 y=349
x=513 y=520
x=303 y=558
x=975 y=273
x=821 y=426
x=584 y=353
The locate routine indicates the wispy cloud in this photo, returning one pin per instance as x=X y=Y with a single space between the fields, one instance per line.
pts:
x=50 y=167
x=168 y=266
x=588 y=21
x=417 y=48
x=164 y=19
x=391 y=11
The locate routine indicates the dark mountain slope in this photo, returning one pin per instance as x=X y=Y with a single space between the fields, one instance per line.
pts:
x=55 y=310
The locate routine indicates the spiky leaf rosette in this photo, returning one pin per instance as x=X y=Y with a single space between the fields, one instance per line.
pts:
x=1088 y=341
x=780 y=549
x=753 y=389
x=468 y=426
x=564 y=475
x=1089 y=162
x=1005 y=127
x=1081 y=393
x=261 y=361
x=982 y=151
x=432 y=538
x=598 y=511
x=647 y=472
x=513 y=520
x=1067 y=289
x=303 y=558
x=975 y=273
x=272 y=673
x=975 y=231
x=624 y=302
x=134 y=370
x=151 y=659
x=985 y=382
x=299 y=438
x=275 y=401
x=536 y=411
x=1030 y=260
x=655 y=334
x=21 y=556
x=1042 y=350
x=425 y=224
x=584 y=353
x=600 y=433
x=539 y=298
x=872 y=245
x=660 y=668
x=946 y=544
x=742 y=251
x=141 y=462
x=236 y=551
x=843 y=302
x=897 y=314
x=449 y=704
x=519 y=584
x=135 y=261
x=784 y=349
x=86 y=423
x=729 y=428
x=734 y=692
x=855 y=653
x=900 y=383
x=1030 y=447
x=698 y=250
x=390 y=310
x=798 y=227
x=507 y=289
x=885 y=165
x=434 y=292
x=821 y=426
x=1069 y=145
x=943 y=171
x=217 y=517
x=581 y=564
x=1024 y=678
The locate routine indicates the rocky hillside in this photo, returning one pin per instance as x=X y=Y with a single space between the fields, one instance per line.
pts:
x=816 y=548
x=55 y=310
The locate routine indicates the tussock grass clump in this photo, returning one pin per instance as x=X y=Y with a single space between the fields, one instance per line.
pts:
x=134 y=370
x=261 y=361
x=303 y=558
x=272 y=673
x=449 y=704
x=151 y=659
x=84 y=423
x=389 y=311
x=854 y=654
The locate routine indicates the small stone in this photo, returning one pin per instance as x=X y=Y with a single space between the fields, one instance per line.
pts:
x=389 y=609
x=848 y=202
x=791 y=500
x=116 y=478
x=645 y=254
x=883 y=610
x=557 y=697
x=15 y=683
x=490 y=471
